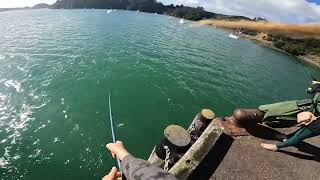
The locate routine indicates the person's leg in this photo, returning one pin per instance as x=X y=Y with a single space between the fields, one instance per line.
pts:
x=290 y=135
x=300 y=135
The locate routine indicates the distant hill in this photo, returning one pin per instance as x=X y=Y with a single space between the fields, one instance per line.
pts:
x=41 y=6
x=37 y=6
x=199 y=13
x=151 y=6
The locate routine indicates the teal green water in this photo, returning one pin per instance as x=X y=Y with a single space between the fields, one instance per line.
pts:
x=57 y=66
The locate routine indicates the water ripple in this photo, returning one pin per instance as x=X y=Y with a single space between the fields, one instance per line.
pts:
x=56 y=67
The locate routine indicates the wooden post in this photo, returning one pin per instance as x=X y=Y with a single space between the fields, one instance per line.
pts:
x=154 y=159
x=191 y=159
x=200 y=123
x=176 y=138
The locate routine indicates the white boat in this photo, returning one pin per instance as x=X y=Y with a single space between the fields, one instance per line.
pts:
x=182 y=21
x=109 y=11
x=233 y=36
x=155 y=13
x=138 y=11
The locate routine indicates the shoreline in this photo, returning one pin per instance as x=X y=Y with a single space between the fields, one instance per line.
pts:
x=301 y=41
x=259 y=38
x=309 y=59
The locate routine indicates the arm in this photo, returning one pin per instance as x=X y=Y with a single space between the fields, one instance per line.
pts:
x=134 y=168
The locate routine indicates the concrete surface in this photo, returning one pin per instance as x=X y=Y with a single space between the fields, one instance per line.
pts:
x=243 y=158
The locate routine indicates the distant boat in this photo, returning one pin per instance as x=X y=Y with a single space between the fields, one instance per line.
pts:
x=155 y=13
x=233 y=36
x=182 y=21
x=138 y=11
x=109 y=11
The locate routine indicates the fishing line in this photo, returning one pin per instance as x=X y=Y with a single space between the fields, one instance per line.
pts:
x=112 y=127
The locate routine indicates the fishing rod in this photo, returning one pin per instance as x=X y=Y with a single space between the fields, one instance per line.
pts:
x=307 y=70
x=309 y=73
x=112 y=128
x=311 y=89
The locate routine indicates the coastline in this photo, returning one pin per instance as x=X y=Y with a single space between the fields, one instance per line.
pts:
x=309 y=59
x=301 y=41
x=313 y=60
x=259 y=38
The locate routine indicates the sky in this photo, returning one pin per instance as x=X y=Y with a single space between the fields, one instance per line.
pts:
x=22 y=3
x=289 y=11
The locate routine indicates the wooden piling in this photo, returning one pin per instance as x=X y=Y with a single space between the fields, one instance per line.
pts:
x=200 y=123
x=154 y=159
x=176 y=138
x=192 y=158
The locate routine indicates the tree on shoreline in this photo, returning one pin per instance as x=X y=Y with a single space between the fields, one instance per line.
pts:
x=150 y=6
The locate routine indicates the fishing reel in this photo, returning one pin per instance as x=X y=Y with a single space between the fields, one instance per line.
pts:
x=314 y=88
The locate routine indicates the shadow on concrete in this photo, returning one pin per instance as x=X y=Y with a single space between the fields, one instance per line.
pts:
x=264 y=132
x=312 y=152
x=309 y=148
x=213 y=159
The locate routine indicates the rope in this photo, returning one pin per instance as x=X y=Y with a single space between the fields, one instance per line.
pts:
x=193 y=124
x=167 y=159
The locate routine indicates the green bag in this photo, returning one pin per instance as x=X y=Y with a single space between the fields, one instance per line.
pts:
x=286 y=110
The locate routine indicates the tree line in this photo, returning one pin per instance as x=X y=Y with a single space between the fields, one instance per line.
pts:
x=151 y=6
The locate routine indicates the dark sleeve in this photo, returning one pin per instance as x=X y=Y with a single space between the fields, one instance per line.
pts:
x=138 y=169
